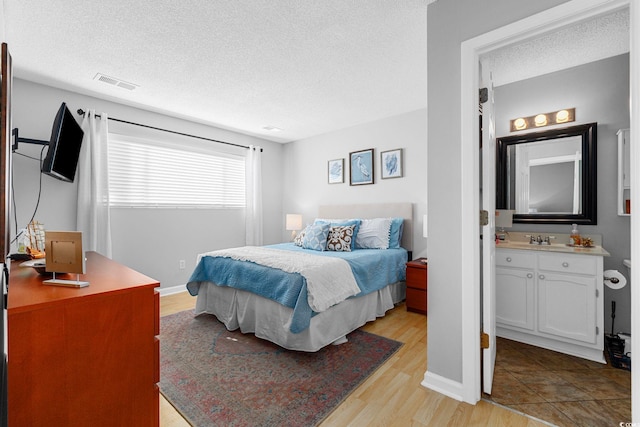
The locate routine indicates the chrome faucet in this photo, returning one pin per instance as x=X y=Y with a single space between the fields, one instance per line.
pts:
x=539 y=240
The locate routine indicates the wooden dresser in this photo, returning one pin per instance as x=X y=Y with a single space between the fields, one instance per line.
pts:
x=84 y=357
x=417 y=286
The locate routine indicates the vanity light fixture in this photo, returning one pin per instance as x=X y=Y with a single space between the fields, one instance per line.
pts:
x=540 y=120
x=562 y=116
x=520 y=123
x=544 y=119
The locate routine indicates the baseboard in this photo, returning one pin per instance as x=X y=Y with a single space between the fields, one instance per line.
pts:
x=172 y=290
x=449 y=388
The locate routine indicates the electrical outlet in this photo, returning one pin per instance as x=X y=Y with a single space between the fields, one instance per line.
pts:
x=182 y=264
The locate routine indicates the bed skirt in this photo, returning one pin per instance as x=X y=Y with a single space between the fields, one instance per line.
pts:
x=270 y=320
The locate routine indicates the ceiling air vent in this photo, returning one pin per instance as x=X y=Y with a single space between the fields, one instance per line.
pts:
x=115 y=82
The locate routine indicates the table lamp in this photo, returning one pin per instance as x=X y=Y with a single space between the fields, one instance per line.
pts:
x=293 y=223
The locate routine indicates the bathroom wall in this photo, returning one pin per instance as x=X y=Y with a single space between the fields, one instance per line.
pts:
x=600 y=93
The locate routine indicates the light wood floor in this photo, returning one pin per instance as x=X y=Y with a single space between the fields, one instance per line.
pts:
x=391 y=396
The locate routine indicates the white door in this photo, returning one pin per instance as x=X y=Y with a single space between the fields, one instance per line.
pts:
x=488 y=231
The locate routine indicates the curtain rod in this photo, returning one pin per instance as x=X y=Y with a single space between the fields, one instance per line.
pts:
x=82 y=112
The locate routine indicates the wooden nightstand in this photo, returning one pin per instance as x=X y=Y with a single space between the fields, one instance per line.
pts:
x=417 y=286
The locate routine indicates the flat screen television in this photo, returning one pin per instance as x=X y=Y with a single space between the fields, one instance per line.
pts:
x=61 y=160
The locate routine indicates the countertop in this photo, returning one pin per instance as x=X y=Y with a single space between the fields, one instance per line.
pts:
x=554 y=247
x=520 y=241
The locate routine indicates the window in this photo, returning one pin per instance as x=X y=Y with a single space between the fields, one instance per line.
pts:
x=147 y=174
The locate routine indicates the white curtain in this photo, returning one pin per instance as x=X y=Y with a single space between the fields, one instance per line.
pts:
x=94 y=218
x=254 y=196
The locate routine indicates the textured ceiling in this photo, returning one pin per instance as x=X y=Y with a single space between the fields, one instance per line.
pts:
x=598 y=38
x=307 y=67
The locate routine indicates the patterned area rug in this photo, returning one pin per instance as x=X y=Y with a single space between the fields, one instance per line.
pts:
x=214 y=377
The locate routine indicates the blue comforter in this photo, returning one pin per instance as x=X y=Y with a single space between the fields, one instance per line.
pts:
x=373 y=269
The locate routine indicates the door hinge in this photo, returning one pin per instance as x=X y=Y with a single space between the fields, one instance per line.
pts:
x=483 y=95
x=484 y=217
x=597 y=293
x=484 y=340
x=597 y=330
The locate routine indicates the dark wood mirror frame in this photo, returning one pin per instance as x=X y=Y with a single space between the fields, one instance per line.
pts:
x=588 y=133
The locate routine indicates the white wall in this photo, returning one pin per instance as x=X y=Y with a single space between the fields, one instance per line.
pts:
x=151 y=241
x=305 y=179
x=449 y=23
x=600 y=93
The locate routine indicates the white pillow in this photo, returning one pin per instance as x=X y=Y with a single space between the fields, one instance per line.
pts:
x=373 y=234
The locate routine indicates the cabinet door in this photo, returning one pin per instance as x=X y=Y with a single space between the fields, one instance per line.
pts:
x=567 y=306
x=515 y=298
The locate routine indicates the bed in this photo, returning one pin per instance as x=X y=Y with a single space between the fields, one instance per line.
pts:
x=312 y=299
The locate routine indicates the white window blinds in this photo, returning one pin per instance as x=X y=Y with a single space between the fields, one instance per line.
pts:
x=145 y=174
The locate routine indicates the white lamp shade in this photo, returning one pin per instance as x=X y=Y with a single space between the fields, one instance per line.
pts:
x=293 y=222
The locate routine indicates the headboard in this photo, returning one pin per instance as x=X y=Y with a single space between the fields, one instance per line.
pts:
x=375 y=210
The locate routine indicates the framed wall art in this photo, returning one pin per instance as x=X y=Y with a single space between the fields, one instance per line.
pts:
x=391 y=163
x=361 y=167
x=335 y=171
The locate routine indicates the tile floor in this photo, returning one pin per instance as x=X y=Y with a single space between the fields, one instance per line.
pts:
x=560 y=389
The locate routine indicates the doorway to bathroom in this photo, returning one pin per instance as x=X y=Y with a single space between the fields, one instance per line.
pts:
x=570 y=13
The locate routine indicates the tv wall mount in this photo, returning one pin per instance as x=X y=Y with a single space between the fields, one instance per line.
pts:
x=17 y=139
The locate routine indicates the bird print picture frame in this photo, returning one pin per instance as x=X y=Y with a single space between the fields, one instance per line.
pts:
x=391 y=163
x=361 y=167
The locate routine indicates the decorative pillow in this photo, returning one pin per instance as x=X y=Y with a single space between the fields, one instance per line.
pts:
x=395 y=233
x=315 y=237
x=343 y=222
x=373 y=234
x=340 y=238
x=298 y=239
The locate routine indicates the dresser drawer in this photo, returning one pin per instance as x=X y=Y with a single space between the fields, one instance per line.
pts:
x=519 y=259
x=579 y=264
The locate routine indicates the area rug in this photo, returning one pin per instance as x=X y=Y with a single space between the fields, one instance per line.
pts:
x=214 y=377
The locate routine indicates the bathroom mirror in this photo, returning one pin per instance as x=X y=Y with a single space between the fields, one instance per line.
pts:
x=549 y=177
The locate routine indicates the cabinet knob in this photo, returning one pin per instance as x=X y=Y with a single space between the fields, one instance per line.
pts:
x=565 y=264
x=541 y=277
x=508 y=259
x=529 y=275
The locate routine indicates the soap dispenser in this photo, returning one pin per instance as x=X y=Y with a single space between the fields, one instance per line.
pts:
x=574 y=238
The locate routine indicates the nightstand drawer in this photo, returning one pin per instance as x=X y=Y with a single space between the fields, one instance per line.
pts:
x=416 y=278
x=416 y=300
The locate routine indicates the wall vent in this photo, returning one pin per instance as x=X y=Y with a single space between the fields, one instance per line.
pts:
x=115 y=82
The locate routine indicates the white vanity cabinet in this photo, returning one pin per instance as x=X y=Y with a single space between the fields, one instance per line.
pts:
x=551 y=300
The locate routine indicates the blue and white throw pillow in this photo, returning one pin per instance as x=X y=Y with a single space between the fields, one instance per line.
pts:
x=315 y=237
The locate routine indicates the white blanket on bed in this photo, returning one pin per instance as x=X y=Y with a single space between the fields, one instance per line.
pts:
x=329 y=280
